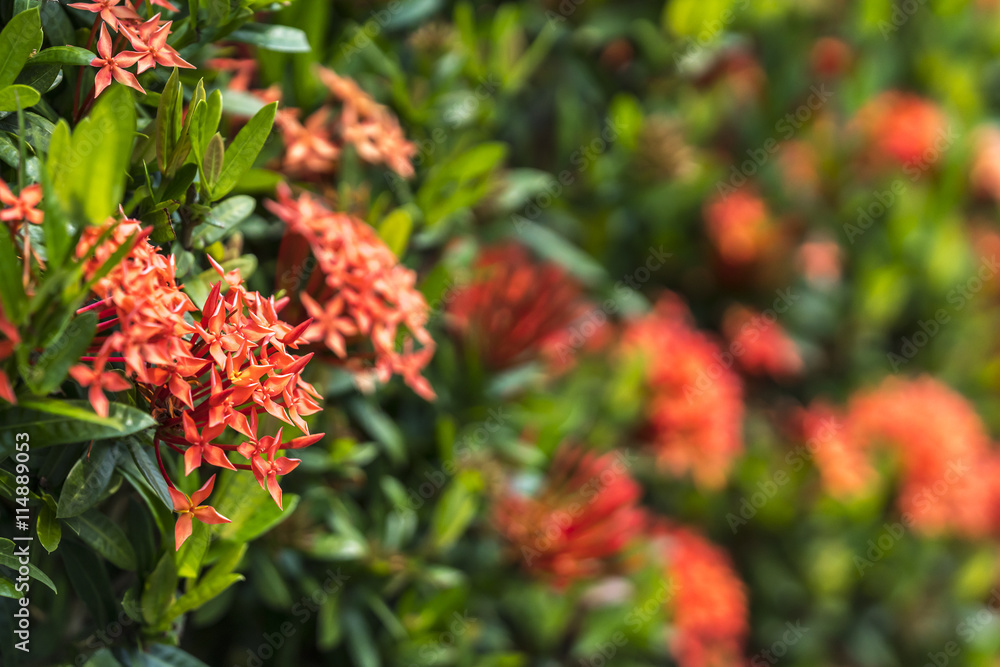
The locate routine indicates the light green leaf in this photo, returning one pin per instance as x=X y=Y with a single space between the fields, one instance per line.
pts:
x=159 y=589
x=17 y=95
x=273 y=37
x=243 y=151
x=63 y=55
x=395 y=230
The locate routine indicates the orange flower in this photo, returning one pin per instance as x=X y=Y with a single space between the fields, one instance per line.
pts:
x=580 y=522
x=110 y=10
x=309 y=148
x=695 y=410
x=709 y=603
x=842 y=461
x=359 y=297
x=190 y=508
x=739 y=226
x=514 y=308
x=22 y=207
x=759 y=345
x=905 y=128
x=150 y=43
x=99 y=381
x=369 y=126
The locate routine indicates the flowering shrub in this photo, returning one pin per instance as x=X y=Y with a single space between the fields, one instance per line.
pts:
x=510 y=334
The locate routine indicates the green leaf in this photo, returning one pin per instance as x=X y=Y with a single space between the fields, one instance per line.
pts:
x=162 y=655
x=12 y=295
x=7 y=589
x=191 y=554
x=86 y=481
x=8 y=559
x=159 y=589
x=88 y=575
x=224 y=217
x=243 y=151
x=63 y=55
x=168 y=119
x=215 y=156
x=58 y=422
x=20 y=38
x=150 y=470
x=17 y=95
x=216 y=580
x=250 y=509
x=103 y=658
x=94 y=183
x=104 y=537
x=54 y=363
x=457 y=507
x=161 y=515
x=395 y=230
x=49 y=529
x=273 y=37
x=360 y=644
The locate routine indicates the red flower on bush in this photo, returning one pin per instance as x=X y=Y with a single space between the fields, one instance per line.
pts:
x=739 y=226
x=579 y=522
x=514 y=307
x=760 y=345
x=359 y=298
x=905 y=128
x=709 y=604
x=695 y=410
x=236 y=360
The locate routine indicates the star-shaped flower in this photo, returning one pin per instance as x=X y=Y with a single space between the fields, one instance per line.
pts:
x=22 y=206
x=99 y=381
x=111 y=66
x=151 y=47
x=190 y=509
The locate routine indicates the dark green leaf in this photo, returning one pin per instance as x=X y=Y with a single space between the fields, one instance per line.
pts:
x=87 y=481
x=54 y=363
x=104 y=537
x=58 y=422
x=49 y=529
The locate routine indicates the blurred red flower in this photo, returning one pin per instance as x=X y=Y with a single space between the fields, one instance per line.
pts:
x=903 y=127
x=581 y=520
x=739 y=226
x=760 y=345
x=695 y=411
x=514 y=307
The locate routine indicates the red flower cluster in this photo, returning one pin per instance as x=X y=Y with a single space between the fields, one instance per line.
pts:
x=357 y=293
x=580 y=522
x=695 y=412
x=709 y=603
x=739 y=226
x=147 y=38
x=937 y=438
x=760 y=345
x=199 y=377
x=905 y=128
x=313 y=148
x=514 y=307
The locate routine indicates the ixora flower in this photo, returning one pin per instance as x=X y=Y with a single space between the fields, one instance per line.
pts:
x=903 y=128
x=708 y=600
x=111 y=11
x=739 y=226
x=359 y=298
x=695 y=409
x=112 y=66
x=760 y=345
x=200 y=377
x=580 y=522
x=514 y=307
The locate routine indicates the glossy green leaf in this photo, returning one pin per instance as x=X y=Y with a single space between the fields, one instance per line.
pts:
x=20 y=38
x=58 y=422
x=18 y=96
x=86 y=481
x=250 y=509
x=63 y=55
x=191 y=554
x=168 y=120
x=224 y=217
x=279 y=38
x=49 y=528
x=243 y=151
x=216 y=580
x=104 y=537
